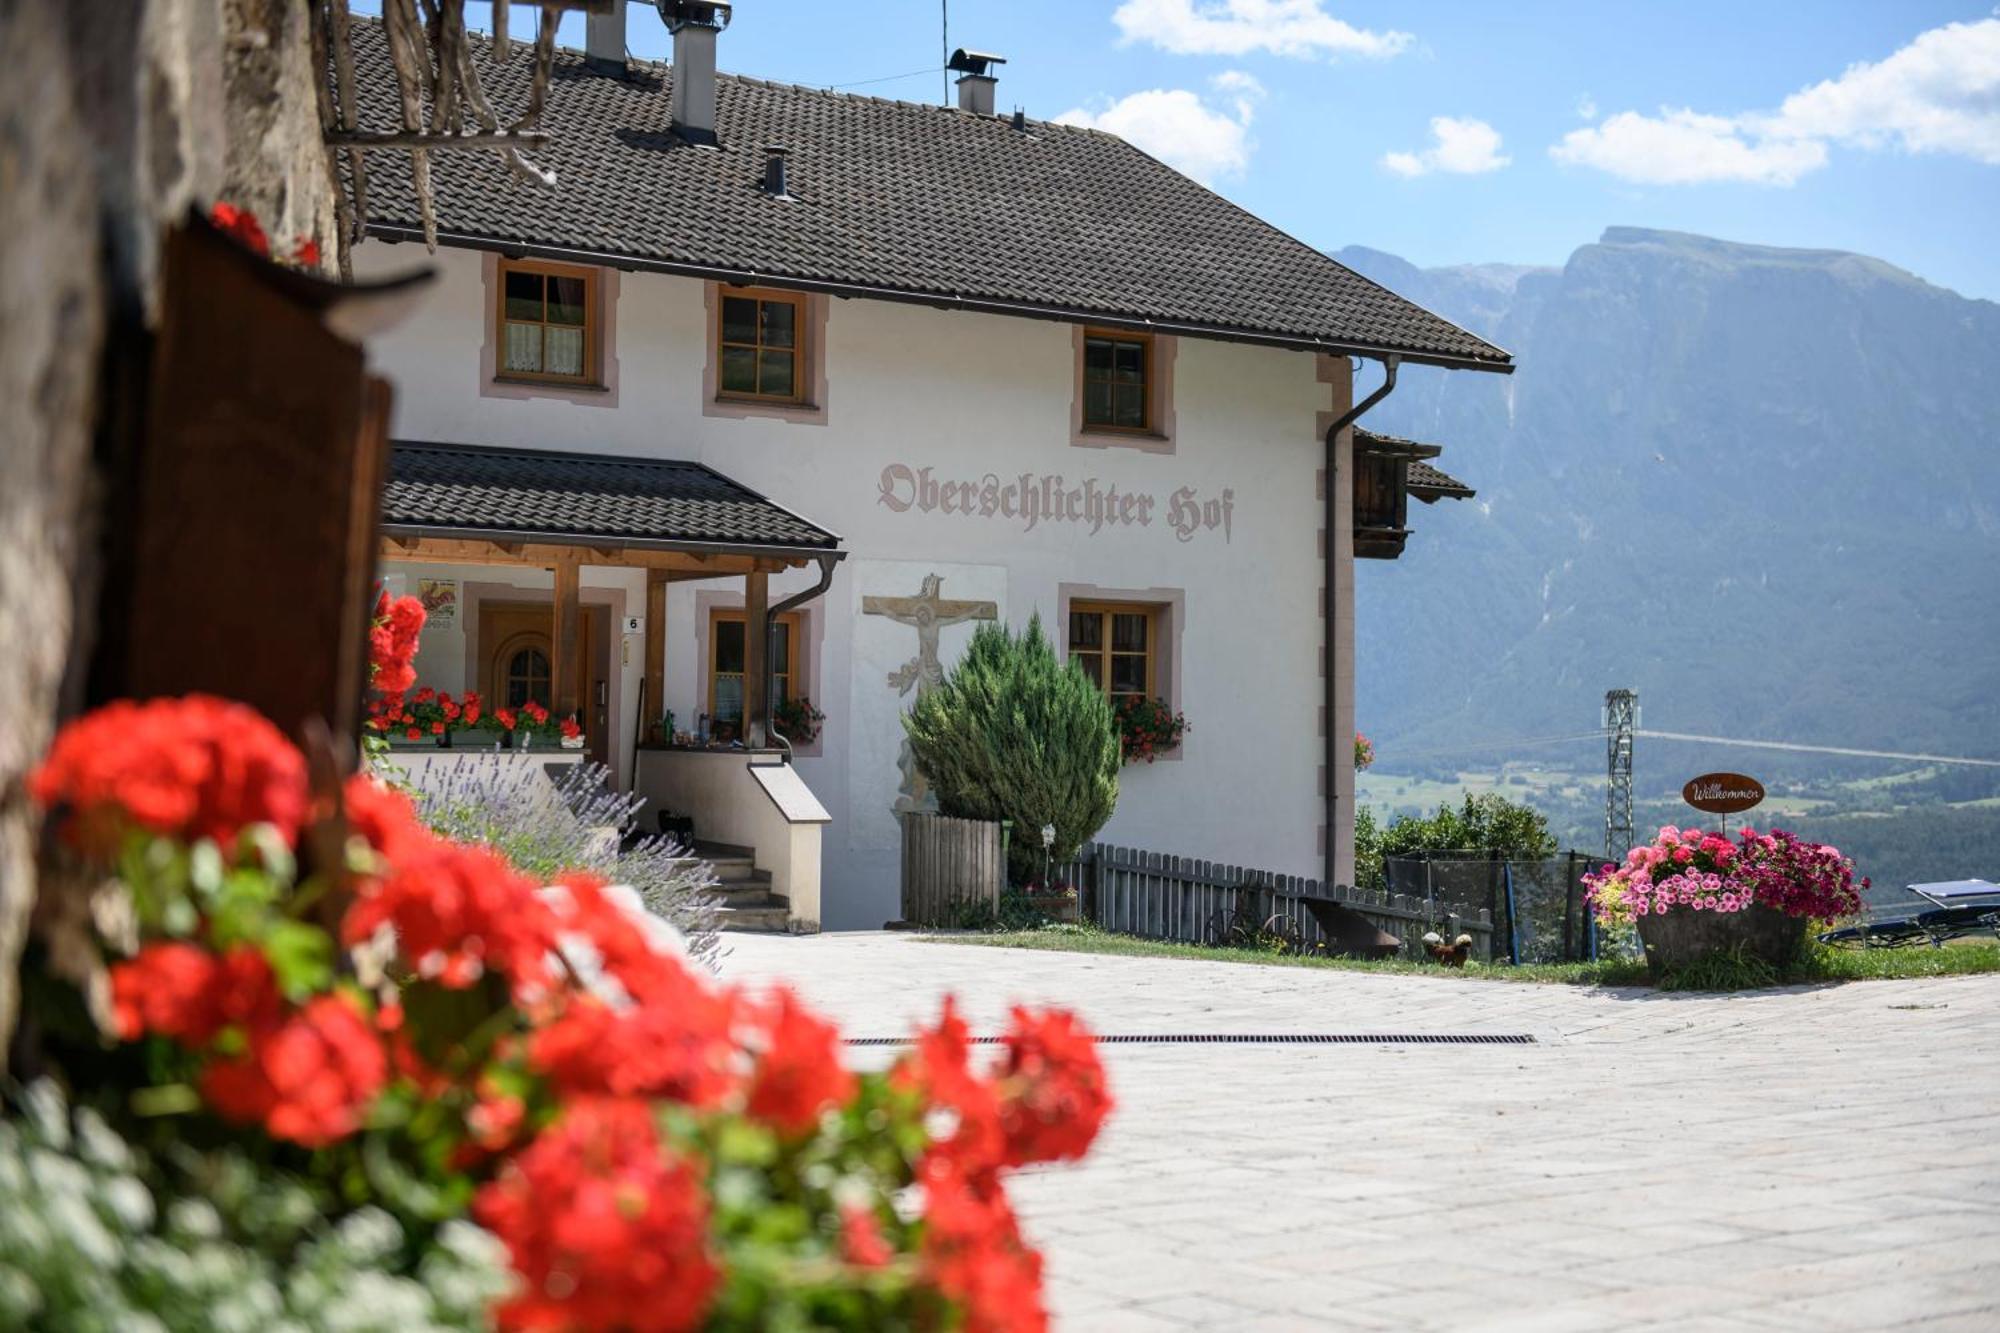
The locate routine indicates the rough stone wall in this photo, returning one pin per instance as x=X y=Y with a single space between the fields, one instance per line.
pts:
x=115 y=115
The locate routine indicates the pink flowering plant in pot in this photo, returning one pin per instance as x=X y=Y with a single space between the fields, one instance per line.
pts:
x=1692 y=893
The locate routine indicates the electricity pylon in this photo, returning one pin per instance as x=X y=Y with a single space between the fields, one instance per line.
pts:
x=1621 y=723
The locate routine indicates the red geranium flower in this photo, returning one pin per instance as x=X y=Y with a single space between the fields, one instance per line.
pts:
x=185 y=992
x=1053 y=1091
x=974 y=1254
x=605 y=1229
x=384 y=817
x=189 y=768
x=679 y=1052
x=456 y=911
x=242 y=226
x=799 y=1073
x=309 y=1080
x=861 y=1242
x=940 y=1067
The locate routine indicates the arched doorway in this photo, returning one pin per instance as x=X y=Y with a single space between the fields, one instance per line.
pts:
x=520 y=670
x=516 y=663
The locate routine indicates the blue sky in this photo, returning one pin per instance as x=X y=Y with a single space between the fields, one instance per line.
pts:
x=1462 y=131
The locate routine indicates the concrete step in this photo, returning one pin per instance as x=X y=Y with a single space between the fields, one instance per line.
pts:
x=758 y=920
x=749 y=895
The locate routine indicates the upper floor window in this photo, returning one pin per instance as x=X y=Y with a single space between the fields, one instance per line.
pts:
x=548 y=322
x=761 y=347
x=1117 y=381
x=1117 y=644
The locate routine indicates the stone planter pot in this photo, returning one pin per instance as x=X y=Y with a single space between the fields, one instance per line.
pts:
x=1682 y=936
x=1063 y=910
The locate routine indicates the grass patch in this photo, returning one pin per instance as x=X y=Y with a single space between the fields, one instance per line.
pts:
x=1728 y=973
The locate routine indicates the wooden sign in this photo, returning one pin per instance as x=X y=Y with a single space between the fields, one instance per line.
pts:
x=242 y=531
x=1723 y=793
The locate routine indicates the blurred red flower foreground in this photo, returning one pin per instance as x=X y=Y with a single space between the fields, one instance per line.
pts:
x=656 y=1151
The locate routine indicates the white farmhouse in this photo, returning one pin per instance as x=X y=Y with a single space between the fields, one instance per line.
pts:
x=869 y=372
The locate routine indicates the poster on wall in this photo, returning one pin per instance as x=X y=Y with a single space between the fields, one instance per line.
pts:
x=440 y=599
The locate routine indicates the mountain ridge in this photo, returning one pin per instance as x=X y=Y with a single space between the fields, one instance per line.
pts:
x=1759 y=484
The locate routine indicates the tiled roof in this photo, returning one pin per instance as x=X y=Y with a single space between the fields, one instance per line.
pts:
x=1428 y=483
x=581 y=499
x=894 y=200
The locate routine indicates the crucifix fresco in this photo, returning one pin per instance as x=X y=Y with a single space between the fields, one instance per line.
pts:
x=927 y=612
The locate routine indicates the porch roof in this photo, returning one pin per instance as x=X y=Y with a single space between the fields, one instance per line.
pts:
x=601 y=502
x=1431 y=484
x=1424 y=480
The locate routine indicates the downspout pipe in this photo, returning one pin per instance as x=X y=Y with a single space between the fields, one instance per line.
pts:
x=771 y=614
x=1336 y=486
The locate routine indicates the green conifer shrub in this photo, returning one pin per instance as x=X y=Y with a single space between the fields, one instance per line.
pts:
x=1015 y=733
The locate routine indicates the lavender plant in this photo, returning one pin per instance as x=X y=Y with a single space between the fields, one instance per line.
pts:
x=575 y=823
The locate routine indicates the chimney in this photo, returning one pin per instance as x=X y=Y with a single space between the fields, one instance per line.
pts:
x=976 y=79
x=774 y=171
x=695 y=25
x=604 y=39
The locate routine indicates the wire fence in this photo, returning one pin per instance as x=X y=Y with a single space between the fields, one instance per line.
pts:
x=1536 y=906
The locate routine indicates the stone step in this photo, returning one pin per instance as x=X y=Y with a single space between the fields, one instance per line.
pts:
x=758 y=920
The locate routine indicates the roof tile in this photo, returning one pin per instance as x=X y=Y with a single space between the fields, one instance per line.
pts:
x=906 y=199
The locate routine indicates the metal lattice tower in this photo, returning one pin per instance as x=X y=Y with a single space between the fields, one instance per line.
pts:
x=1621 y=723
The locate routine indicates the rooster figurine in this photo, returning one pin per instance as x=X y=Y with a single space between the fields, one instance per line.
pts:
x=1450 y=955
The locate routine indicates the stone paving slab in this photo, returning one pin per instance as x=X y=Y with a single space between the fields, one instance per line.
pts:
x=1815 y=1158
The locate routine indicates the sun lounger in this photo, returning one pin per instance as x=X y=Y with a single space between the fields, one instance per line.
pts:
x=1929 y=914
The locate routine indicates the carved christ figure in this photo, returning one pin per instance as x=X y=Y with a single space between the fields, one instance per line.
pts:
x=929 y=613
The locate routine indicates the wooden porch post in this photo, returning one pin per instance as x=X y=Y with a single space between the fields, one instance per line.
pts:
x=656 y=644
x=756 y=670
x=564 y=687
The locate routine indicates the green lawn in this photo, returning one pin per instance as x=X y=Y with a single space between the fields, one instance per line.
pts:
x=1821 y=965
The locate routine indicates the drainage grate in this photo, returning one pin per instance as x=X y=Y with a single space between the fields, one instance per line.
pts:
x=1270 y=1039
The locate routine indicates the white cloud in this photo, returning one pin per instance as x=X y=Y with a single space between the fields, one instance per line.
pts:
x=1238 y=27
x=1458 y=147
x=1682 y=147
x=1586 y=107
x=1939 y=94
x=1181 y=129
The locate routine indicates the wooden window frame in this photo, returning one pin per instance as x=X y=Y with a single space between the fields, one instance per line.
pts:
x=795 y=678
x=1105 y=610
x=1148 y=384
x=801 y=349
x=591 y=375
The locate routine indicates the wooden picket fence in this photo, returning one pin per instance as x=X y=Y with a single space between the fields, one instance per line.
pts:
x=953 y=870
x=1163 y=897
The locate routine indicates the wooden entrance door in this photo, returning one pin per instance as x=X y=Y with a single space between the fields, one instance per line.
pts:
x=516 y=661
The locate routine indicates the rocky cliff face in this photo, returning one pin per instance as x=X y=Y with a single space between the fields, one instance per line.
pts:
x=1762 y=486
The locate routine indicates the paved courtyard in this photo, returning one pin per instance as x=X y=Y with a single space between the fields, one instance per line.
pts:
x=1823 y=1158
